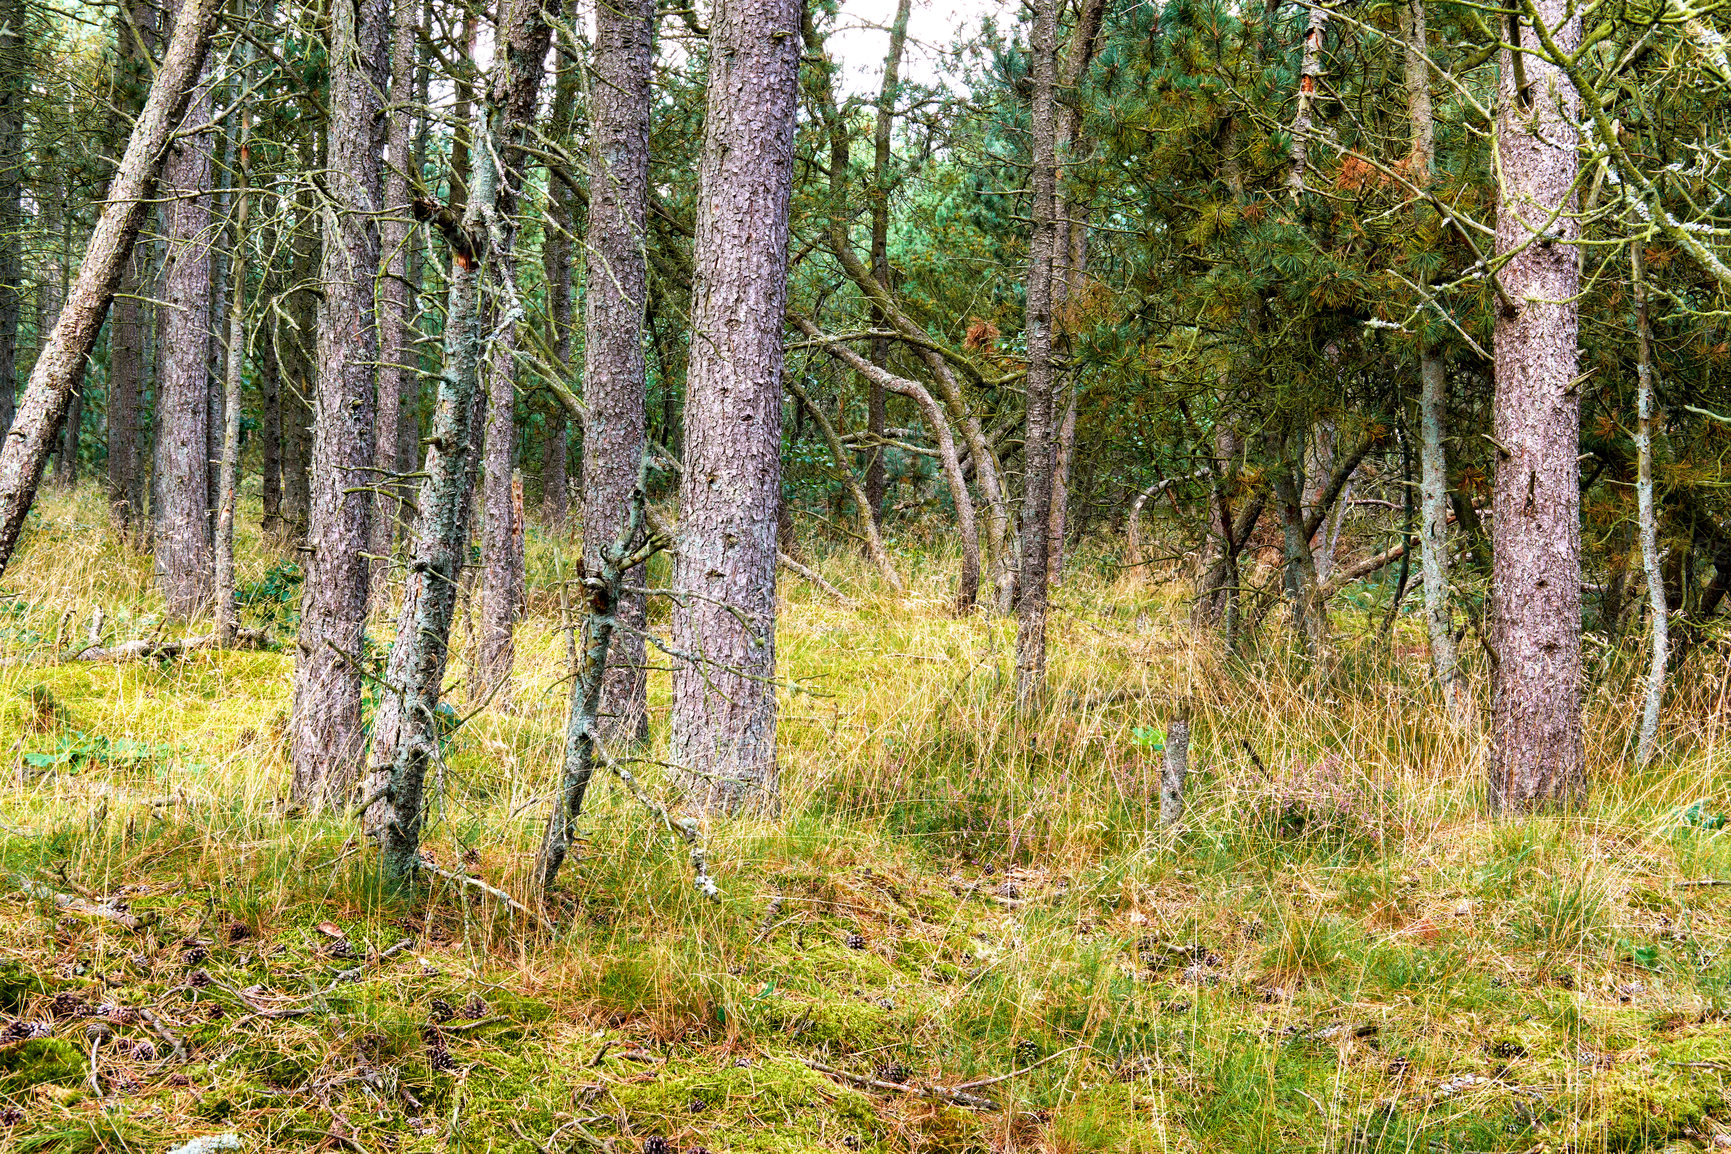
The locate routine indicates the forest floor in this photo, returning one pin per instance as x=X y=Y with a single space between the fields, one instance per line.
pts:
x=1337 y=952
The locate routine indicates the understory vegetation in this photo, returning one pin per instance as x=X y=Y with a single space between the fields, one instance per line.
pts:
x=1337 y=950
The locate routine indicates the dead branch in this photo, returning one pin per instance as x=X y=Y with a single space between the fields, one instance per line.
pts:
x=958 y=1097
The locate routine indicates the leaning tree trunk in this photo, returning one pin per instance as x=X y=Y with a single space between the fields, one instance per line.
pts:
x=1647 y=741
x=614 y=379
x=183 y=558
x=724 y=712
x=326 y=737
x=1042 y=370
x=1537 y=757
x=406 y=734
x=60 y=364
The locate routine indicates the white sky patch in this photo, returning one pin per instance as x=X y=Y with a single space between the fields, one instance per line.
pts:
x=861 y=37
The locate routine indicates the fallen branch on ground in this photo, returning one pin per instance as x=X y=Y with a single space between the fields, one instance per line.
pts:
x=73 y=904
x=148 y=649
x=493 y=891
x=958 y=1097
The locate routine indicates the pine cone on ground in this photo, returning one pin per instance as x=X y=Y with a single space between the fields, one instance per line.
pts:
x=856 y=941
x=656 y=1145
x=440 y=1010
x=474 y=1008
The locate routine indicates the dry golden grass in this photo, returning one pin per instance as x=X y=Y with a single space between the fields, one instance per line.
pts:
x=1340 y=953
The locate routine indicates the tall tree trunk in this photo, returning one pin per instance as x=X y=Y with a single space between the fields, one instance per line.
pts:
x=270 y=423
x=1433 y=401
x=1042 y=369
x=1647 y=743
x=1309 y=614
x=1537 y=757
x=126 y=327
x=325 y=737
x=296 y=336
x=406 y=733
x=183 y=558
x=502 y=594
x=397 y=375
x=1070 y=257
x=14 y=92
x=724 y=711
x=556 y=248
x=614 y=370
x=60 y=364
x=877 y=417
x=228 y=474
x=135 y=35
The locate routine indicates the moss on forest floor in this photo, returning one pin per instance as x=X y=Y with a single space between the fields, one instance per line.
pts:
x=1340 y=954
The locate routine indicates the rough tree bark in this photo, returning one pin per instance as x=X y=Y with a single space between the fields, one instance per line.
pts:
x=1042 y=369
x=503 y=589
x=397 y=356
x=724 y=710
x=325 y=733
x=14 y=92
x=136 y=37
x=61 y=361
x=876 y=410
x=556 y=249
x=228 y=475
x=183 y=560
x=1647 y=741
x=406 y=732
x=614 y=371
x=1537 y=756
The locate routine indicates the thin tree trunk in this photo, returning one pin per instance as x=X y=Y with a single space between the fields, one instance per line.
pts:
x=502 y=590
x=325 y=736
x=183 y=559
x=1647 y=743
x=968 y=587
x=604 y=587
x=228 y=476
x=724 y=709
x=877 y=417
x=296 y=342
x=1433 y=402
x=396 y=315
x=1042 y=369
x=615 y=372
x=270 y=426
x=406 y=733
x=60 y=364
x=1309 y=610
x=1537 y=756
x=556 y=249
x=844 y=471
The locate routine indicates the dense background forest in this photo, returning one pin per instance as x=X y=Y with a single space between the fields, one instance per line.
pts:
x=1098 y=575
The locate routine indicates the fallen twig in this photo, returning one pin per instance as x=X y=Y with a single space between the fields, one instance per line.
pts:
x=958 y=1097
x=1702 y=882
x=74 y=904
x=163 y=1032
x=1015 y=1073
x=494 y=891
